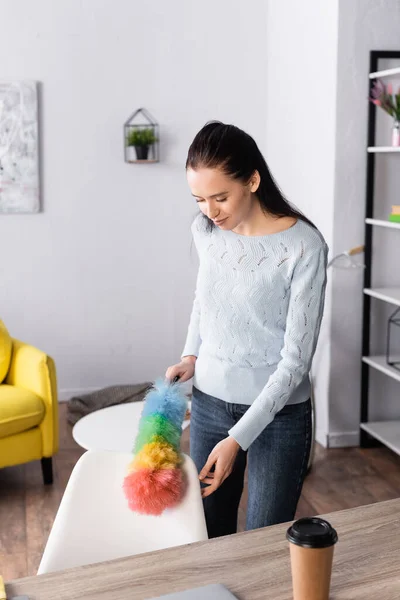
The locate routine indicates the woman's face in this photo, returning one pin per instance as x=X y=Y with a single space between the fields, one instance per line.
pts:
x=226 y=201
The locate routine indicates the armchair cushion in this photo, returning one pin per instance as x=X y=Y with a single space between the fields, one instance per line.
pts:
x=34 y=371
x=5 y=351
x=20 y=410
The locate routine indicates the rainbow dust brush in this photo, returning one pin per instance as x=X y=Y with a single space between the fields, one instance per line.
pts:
x=154 y=481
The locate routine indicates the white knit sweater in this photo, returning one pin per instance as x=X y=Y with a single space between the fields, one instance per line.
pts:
x=256 y=319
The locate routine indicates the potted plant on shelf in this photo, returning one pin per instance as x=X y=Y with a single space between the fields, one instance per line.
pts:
x=141 y=140
x=383 y=96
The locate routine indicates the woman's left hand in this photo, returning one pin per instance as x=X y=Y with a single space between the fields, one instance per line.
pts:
x=223 y=457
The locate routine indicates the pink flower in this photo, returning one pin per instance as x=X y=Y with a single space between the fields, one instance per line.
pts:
x=389 y=88
x=377 y=102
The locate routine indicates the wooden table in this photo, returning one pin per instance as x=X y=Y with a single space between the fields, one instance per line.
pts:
x=253 y=565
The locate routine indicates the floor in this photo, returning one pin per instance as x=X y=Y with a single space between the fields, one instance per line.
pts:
x=340 y=478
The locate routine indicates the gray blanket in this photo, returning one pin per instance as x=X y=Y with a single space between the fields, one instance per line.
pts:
x=79 y=406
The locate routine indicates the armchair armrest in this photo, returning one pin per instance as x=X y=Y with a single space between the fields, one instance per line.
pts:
x=33 y=370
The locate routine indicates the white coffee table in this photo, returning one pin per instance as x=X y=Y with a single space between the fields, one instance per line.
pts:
x=113 y=428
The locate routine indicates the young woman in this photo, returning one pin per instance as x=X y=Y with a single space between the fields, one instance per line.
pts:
x=252 y=333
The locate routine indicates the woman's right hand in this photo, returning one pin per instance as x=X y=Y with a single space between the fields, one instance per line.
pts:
x=184 y=370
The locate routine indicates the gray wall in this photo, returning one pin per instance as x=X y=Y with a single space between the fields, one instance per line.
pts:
x=301 y=47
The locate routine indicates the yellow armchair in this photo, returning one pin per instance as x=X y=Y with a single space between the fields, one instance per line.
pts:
x=29 y=409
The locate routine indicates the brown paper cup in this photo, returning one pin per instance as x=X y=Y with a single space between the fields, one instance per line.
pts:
x=311 y=555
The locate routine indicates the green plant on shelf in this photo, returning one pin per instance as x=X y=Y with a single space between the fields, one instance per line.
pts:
x=140 y=137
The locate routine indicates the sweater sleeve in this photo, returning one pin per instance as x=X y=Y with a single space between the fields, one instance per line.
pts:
x=307 y=294
x=193 y=339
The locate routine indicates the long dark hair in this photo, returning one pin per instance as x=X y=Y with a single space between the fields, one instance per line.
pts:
x=232 y=150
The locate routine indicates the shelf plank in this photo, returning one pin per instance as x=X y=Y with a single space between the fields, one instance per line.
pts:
x=142 y=162
x=381 y=223
x=379 y=363
x=385 y=73
x=390 y=295
x=387 y=432
x=384 y=149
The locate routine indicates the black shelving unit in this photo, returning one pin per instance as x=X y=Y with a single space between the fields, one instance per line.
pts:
x=383 y=431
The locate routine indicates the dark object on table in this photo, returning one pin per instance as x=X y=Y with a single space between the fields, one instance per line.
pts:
x=80 y=406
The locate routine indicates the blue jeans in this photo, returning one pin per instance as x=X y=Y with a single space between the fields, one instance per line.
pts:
x=277 y=463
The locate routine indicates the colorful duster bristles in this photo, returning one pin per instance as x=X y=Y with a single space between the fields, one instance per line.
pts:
x=154 y=481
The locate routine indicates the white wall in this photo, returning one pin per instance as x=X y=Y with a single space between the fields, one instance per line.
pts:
x=364 y=25
x=317 y=87
x=301 y=111
x=103 y=278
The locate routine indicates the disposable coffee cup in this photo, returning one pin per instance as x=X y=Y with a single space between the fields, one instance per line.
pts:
x=312 y=541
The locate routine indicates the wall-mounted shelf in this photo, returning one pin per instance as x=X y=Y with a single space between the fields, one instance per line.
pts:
x=386 y=432
x=390 y=295
x=380 y=364
x=145 y=162
x=383 y=149
x=381 y=223
x=386 y=73
x=141 y=138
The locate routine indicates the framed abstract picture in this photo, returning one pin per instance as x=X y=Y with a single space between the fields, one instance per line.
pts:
x=19 y=148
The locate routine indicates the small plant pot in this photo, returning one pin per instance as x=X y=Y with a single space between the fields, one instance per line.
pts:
x=142 y=152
